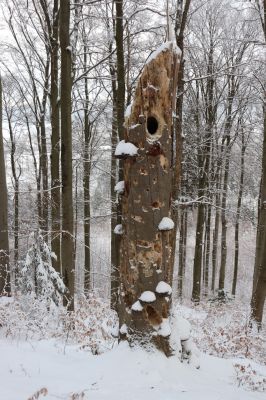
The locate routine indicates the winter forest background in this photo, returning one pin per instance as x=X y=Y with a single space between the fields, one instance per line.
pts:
x=219 y=282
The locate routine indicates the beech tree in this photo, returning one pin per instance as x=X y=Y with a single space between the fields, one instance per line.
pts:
x=66 y=152
x=11 y=115
x=52 y=32
x=119 y=99
x=4 y=243
x=259 y=278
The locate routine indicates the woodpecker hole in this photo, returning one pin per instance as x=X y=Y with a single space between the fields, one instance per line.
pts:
x=152 y=125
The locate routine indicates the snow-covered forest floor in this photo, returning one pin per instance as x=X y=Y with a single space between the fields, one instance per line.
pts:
x=43 y=357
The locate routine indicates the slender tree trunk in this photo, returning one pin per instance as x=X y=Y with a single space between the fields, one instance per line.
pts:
x=197 y=263
x=197 y=266
x=182 y=251
x=44 y=155
x=114 y=171
x=118 y=109
x=119 y=37
x=180 y=25
x=207 y=246
x=16 y=229
x=224 y=223
x=37 y=176
x=227 y=152
x=238 y=211
x=215 y=236
x=259 y=278
x=16 y=176
x=4 y=243
x=210 y=120
x=86 y=189
x=55 y=144
x=204 y=160
x=66 y=153
x=114 y=220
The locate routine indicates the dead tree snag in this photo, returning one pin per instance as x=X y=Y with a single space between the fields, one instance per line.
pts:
x=146 y=250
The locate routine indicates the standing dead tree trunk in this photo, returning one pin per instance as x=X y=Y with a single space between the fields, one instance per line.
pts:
x=146 y=248
x=4 y=243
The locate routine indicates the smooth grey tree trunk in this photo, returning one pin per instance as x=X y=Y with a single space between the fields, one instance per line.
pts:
x=66 y=154
x=4 y=243
x=55 y=144
x=119 y=109
x=259 y=277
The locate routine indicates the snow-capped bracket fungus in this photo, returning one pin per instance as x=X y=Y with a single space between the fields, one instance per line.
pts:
x=146 y=250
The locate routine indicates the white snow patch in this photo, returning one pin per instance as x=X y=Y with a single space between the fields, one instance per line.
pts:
x=181 y=341
x=67 y=371
x=123 y=329
x=171 y=30
x=181 y=327
x=163 y=288
x=164 y=47
x=166 y=224
x=147 y=297
x=53 y=255
x=6 y=300
x=128 y=110
x=120 y=187
x=152 y=87
x=128 y=149
x=118 y=229
x=164 y=329
x=134 y=126
x=137 y=306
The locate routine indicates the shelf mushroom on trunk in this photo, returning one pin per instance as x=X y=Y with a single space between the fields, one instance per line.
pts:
x=146 y=250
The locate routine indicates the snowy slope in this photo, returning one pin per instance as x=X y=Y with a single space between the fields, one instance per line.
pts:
x=120 y=374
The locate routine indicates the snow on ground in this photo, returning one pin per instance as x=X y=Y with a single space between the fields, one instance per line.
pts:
x=120 y=374
x=40 y=354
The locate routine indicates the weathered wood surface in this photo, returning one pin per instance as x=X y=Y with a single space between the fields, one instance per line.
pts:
x=146 y=257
